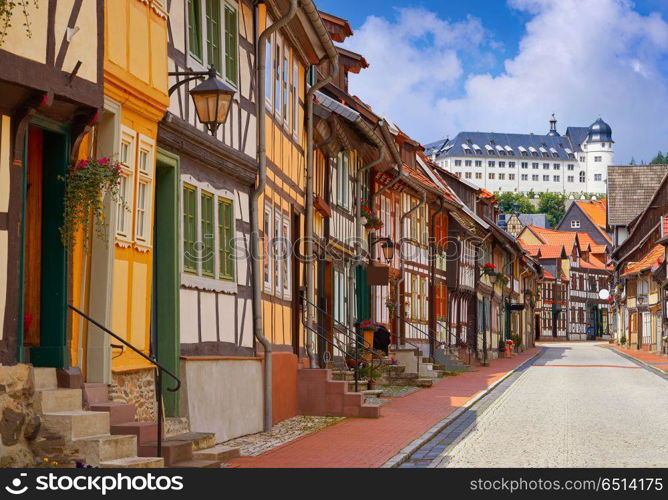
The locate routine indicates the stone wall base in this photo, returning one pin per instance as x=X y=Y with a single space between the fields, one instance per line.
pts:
x=136 y=387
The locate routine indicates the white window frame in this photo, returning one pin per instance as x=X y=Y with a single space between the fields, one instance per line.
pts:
x=124 y=214
x=268 y=231
x=145 y=178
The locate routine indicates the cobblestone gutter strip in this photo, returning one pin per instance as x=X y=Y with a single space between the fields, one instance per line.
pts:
x=647 y=366
x=414 y=446
x=282 y=433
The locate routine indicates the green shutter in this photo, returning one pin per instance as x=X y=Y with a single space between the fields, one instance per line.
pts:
x=213 y=34
x=189 y=229
x=226 y=237
x=208 y=235
x=195 y=28
x=231 y=45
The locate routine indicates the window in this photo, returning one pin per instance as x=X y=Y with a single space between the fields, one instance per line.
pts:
x=458 y=163
x=213 y=34
x=189 y=228
x=575 y=224
x=546 y=166
x=295 y=98
x=571 y=166
x=557 y=178
x=534 y=166
x=478 y=163
x=126 y=188
x=502 y=164
x=534 y=177
x=231 y=44
x=266 y=236
x=218 y=34
x=142 y=206
x=582 y=177
x=270 y=65
x=525 y=164
x=467 y=163
x=491 y=176
x=502 y=177
x=286 y=86
x=225 y=239
x=207 y=235
x=491 y=163
x=511 y=177
x=525 y=177
x=340 y=297
x=557 y=166
x=582 y=159
x=478 y=175
x=598 y=177
x=343 y=180
x=598 y=159
x=278 y=101
x=511 y=164
x=195 y=28
x=546 y=178
x=467 y=175
x=571 y=178
x=144 y=190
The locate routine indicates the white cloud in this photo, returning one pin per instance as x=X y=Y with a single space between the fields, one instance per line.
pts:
x=578 y=58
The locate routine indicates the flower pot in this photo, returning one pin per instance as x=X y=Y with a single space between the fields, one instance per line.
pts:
x=368 y=341
x=352 y=362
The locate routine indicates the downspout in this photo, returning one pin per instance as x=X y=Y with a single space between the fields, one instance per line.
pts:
x=258 y=327
x=333 y=57
x=432 y=280
x=402 y=260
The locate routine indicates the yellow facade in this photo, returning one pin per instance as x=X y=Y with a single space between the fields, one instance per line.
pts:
x=135 y=79
x=286 y=181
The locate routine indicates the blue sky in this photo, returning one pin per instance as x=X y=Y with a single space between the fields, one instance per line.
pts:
x=507 y=65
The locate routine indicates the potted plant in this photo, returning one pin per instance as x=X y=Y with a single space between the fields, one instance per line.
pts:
x=489 y=269
x=354 y=357
x=517 y=340
x=509 y=348
x=86 y=183
x=370 y=220
x=622 y=340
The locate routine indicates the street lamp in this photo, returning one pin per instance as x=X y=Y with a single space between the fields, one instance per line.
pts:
x=212 y=97
x=387 y=246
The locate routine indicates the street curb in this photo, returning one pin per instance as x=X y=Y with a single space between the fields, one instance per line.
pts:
x=411 y=448
x=647 y=366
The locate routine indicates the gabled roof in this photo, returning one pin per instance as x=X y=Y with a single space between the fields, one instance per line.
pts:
x=538 y=220
x=630 y=189
x=654 y=257
x=554 y=237
x=545 y=251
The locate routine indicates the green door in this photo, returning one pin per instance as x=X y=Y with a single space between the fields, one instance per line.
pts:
x=165 y=340
x=363 y=294
x=49 y=269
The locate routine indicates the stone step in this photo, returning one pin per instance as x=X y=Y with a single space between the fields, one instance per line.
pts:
x=134 y=463
x=44 y=378
x=57 y=400
x=95 y=393
x=172 y=451
x=353 y=399
x=97 y=449
x=119 y=413
x=369 y=411
x=144 y=431
x=219 y=453
x=75 y=424
x=375 y=393
x=196 y=464
x=362 y=385
x=200 y=440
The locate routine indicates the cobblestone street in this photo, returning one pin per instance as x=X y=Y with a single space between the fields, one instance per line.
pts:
x=576 y=405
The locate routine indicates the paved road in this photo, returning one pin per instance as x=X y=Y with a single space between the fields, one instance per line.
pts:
x=578 y=405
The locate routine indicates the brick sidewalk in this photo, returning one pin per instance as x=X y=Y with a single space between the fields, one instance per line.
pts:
x=655 y=360
x=359 y=443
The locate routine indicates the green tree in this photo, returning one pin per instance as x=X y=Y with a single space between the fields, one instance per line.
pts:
x=659 y=159
x=552 y=205
x=508 y=200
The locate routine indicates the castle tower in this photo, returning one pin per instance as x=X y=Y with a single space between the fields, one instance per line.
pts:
x=599 y=154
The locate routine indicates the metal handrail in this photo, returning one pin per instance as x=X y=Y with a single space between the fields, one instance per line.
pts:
x=358 y=341
x=150 y=359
